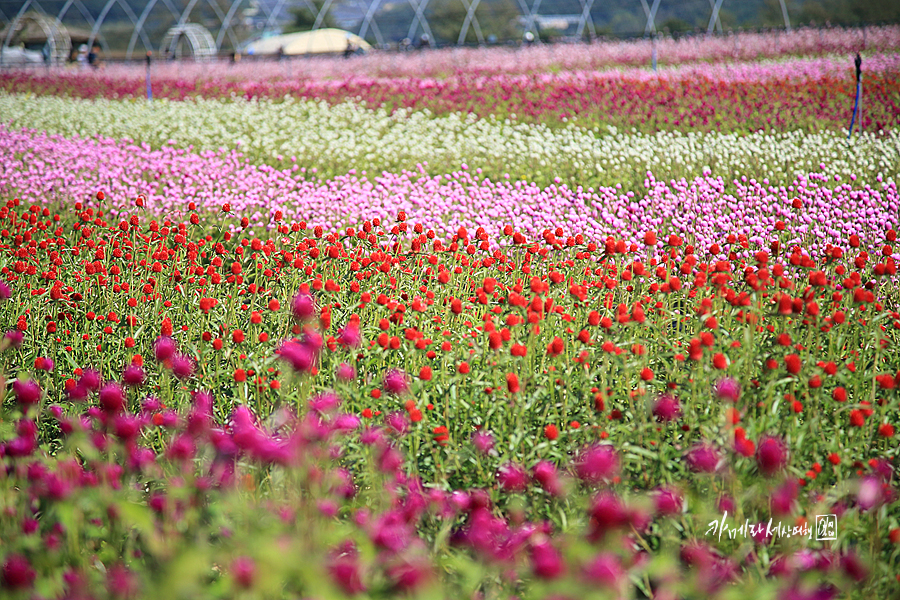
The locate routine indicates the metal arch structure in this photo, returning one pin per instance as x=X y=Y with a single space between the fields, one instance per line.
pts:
x=57 y=36
x=272 y=9
x=203 y=46
x=85 y=13
x=95 y=30
x=143 y=18
x=368 y=21
x=419 y=18
x=470 y=19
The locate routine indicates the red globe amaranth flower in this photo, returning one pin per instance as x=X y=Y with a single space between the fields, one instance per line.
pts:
x=771 y=455
x=512 y=383
x=792 y=363
x=551 y=432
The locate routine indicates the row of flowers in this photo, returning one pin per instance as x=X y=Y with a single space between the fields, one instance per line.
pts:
x=334 y=140
x=817 y=210
x=808 y=93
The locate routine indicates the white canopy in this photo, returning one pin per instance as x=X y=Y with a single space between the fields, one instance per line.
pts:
x=320 y=41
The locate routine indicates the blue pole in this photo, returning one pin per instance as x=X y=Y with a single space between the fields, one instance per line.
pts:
x=149 y=90
x=858 y=63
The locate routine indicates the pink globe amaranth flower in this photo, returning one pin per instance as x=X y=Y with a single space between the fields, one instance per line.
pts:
x=42 y=363
x=127 y=427
x=243 y=569
x=371 y=436
x=408 y=575
x=596 y=463
x=728 y=389
x=703 y=458
x=303 y=306
x=483 y=441
x=771 y=455
x=164 y=348
x=133 y=376
x=112 y=398
x=27 y=393
x=14 y=338
x=345 y=423
x=546 y=561
x=853 y=567
x=182 y=366
x=17 y=573
x=870 y=494
x=783 y=498
x=605 y=570
x=90 y=380
x=512 y=478
x=667 y=501
x=324 y=403
x=607 y=512
x=345 y=372
x=345 y=571
x=398 y=422
x=5 y=291
x=301 y=357
x=350 y=335
x=666 y=408
x=546 y=475
x=395 y=382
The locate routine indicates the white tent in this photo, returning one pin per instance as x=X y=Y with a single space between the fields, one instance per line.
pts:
x=320 y=41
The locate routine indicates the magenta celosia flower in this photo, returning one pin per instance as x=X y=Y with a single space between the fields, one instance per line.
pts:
x=483 y=441
x=182 y=366
x=512 y=478
x=133 y=376
x=596 y=463
x=17 y=572
x=703 y=458
x=303 y=306
x=666 y=408
x=728 y=389
x=27 y=392
x=112 y=398
x=164 y=348
x=771 y=455
x=395 y=382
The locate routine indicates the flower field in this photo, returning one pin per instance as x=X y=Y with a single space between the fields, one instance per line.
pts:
x=317 y=347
